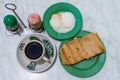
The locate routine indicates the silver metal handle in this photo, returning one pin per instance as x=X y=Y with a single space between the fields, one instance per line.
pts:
x=10 y=6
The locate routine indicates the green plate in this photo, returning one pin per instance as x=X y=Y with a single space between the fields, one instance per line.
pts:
x=62 y=7
x=85 y=68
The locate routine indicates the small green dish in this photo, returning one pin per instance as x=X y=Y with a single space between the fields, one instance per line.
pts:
x=85 y=68
x=62 y=7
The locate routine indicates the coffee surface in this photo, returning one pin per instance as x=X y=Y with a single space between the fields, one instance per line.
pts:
x=33 y=50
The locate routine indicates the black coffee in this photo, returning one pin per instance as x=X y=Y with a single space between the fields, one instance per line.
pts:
x=33 y=50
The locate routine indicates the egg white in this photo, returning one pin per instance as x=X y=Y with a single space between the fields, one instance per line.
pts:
x=62 y=23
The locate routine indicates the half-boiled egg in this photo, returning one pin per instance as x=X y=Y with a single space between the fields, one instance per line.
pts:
x=62 y=22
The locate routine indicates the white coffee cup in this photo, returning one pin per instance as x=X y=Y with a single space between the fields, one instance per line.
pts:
x=35 y=51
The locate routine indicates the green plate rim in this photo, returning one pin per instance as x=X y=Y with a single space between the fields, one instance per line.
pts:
x=62 y=7
x=97 y=66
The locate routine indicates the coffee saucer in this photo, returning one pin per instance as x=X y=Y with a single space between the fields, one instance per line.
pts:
x=42 y=65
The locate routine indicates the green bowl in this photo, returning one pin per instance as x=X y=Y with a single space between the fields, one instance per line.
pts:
x=62 y=7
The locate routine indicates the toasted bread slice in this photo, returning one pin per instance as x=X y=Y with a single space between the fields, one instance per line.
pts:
x=79 y=49
x=91 y=44
x=71 y=52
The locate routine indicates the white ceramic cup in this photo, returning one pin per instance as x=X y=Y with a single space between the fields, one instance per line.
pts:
x=35 y=51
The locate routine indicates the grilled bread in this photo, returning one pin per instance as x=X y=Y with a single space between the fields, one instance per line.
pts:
x=79 y=49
